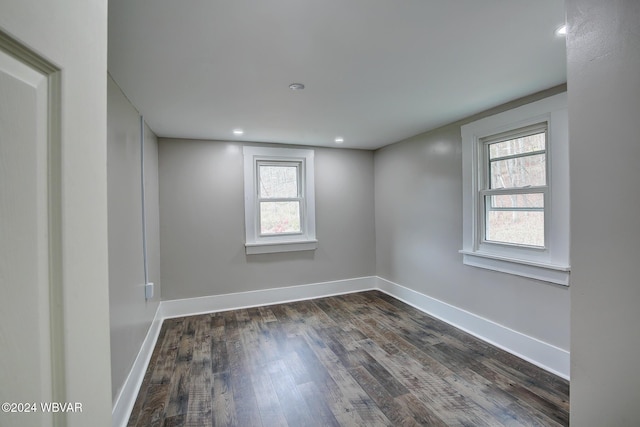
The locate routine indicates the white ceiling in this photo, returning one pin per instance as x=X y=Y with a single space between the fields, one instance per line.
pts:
x=376 y=71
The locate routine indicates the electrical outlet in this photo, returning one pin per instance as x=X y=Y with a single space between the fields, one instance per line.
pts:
x=148 y=291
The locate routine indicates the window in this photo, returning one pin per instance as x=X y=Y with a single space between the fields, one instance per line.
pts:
x=516 y=191
x=514 y=187
x=279 y=200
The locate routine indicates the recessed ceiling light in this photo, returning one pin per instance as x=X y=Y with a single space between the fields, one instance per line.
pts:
x=339 y=140
x=238 y=131
x=562 y=31
x=296 y=86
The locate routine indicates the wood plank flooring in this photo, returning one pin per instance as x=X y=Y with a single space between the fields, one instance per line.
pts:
x=362 y=359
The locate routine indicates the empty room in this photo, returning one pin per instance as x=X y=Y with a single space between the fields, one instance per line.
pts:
x=301 y=213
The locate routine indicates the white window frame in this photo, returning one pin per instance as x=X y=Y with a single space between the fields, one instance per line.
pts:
x=551 y=262
x=303 y=159
x=485 y=189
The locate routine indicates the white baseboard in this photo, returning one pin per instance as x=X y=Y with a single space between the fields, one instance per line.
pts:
x=544 y=355
x=211 y=304
x=127 y=396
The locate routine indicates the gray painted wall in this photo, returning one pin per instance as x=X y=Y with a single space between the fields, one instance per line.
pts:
x=130 y=313
x=418 y=205
x=202 y=222
x=603 y=49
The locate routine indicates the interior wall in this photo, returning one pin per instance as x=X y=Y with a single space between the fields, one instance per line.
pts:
x=603 y=52
x=418 y=205
x=202 y=222
x=130 y=314
x=73 y=35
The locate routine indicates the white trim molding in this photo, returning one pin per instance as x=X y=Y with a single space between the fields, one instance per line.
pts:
x=544 y=355
x=193 y=306
x=214 y=303
x=268 y=248
x=551 y=262
x=558 y=274
x=126 y=398
x=303 y=161
x=541 y=354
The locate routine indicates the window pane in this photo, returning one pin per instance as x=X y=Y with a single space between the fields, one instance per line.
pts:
x=278 y=181
x=280 y=217
x=526 y=144
x=517 y=227
x=530 y=200
x=518 y=172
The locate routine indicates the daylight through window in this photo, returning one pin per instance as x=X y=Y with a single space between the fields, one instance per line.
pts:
x=515 y=187
x=515 y=172
x=279 y=199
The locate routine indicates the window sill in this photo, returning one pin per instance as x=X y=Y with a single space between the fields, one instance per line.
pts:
x=547 y=272
x=275 y=247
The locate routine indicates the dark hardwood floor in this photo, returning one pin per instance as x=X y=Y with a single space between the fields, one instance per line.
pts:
x=362 y=359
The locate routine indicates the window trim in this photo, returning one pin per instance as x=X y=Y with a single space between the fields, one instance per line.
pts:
x=551 y=263
x=255 y=242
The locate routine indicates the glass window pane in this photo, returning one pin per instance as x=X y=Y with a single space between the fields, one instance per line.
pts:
x=278 y=181
x=517 y=227
x=518 y=172
x=280 y=217
x=526 y=144
x=529 y=200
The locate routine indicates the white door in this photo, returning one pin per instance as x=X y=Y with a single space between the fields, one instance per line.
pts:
x=27 y=276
